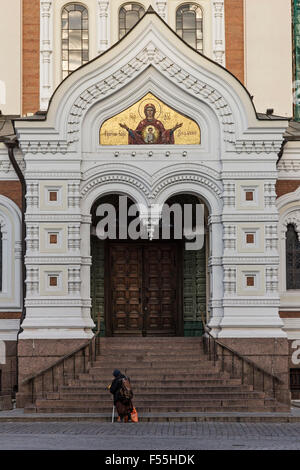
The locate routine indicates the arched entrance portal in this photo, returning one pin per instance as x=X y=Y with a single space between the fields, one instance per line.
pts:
x=146 y=287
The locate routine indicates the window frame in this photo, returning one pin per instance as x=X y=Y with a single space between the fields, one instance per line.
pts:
x=120 y=36
x=84 y=38
x=177 y=29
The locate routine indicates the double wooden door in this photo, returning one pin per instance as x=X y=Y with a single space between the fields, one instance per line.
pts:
x=143 y=289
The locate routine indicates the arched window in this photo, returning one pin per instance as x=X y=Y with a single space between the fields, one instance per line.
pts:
x=129 y=15
x=292 y=258
x=75 y=37
x=189 y=25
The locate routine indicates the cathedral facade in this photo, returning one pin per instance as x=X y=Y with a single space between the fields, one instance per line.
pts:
x=159 y=102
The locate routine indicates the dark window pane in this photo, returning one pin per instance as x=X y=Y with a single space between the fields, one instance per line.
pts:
x=129 y=15
x=75 y=44
x=292 y=258
x=189 y=20
x=75 y=20
x=74 y=59
x=75 y=40
x=189 y=25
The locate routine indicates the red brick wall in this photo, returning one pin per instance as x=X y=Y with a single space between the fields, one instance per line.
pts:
x=31 y=56
x=234 y=37
x=286 y=186
x=12 y=190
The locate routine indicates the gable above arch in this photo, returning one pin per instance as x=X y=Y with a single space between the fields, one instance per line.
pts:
x=151 y=44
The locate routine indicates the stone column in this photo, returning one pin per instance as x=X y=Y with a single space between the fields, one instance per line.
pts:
x=216 y=273
x=162 y=9
x=218 y=23
x=103 y=25
x=46 y=53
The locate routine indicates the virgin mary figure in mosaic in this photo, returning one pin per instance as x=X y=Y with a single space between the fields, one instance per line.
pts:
x=150 y=130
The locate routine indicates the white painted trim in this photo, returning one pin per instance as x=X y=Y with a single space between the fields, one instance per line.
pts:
x=218 y=30
x=10 y=221
x=46 y=52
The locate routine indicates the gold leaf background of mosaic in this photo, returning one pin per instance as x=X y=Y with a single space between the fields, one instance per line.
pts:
x=112 y=134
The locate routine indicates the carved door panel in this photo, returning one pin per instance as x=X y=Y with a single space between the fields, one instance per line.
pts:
x=125 y=289
x=160 y=289
x=143 y=289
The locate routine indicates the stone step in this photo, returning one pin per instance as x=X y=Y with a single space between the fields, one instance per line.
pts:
x=145 y=396
x=145 y=382
x=166 y=360
x=154 y=375
x=217 y=406
x=162 y=369
x=101 y=390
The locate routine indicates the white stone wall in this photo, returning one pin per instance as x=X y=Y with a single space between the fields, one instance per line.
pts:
x=237 y=154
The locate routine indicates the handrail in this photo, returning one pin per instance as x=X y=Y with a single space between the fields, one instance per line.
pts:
x=90 y=346
x=243 y=358
x=64 y=358
x=59 y=361
x=251 y=377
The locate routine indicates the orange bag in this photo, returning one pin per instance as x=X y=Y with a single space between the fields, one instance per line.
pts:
x=134 y=416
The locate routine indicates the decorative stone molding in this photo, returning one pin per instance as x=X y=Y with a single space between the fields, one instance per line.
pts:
x=229 y=280
x=74 y=195
x=258 y=146
x=46 y=52
x=74 y=280
x=130 y=180
x=271 y=237
x=270 y=195
x=74 y=237
x=271 y=279
x=103 y=25
x=150 y=55
x=187 y=178
x=229 y=195
x=162 y=9
x=218 y=24
x=32 y=195
x=32 y=237
x=32 y=280
x=229 y=237
x=44 y=147
x=293 y=218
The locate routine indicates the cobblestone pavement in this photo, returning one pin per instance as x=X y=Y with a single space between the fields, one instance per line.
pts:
x=149 y=436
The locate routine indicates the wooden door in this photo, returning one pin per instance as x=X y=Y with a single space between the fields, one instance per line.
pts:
x=143 y=289
x=160 y=288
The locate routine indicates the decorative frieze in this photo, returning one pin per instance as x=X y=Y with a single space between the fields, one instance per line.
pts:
x=44 y=147
x=258 y=146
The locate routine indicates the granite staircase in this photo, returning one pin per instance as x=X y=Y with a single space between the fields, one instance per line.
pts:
x=168 y=375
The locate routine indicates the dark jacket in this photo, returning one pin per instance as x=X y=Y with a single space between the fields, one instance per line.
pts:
x=116 y=385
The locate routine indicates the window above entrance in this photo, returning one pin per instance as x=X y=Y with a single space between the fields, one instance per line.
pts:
x=149 y=121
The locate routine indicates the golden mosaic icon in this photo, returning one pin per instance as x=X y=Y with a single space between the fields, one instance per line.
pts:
x=149 y=122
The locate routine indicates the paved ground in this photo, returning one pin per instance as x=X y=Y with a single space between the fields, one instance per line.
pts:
x=149 y=436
